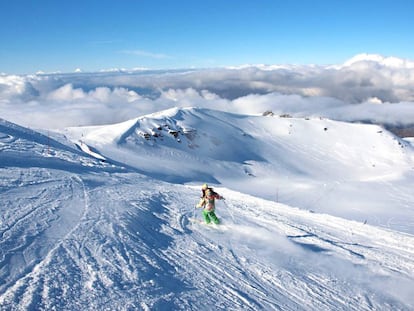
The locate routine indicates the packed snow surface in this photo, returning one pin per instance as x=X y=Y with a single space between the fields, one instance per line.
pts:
x=318 y=215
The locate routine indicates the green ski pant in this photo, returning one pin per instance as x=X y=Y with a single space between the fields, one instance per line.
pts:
x=210 y=216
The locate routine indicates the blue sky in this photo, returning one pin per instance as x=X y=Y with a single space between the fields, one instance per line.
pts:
x=52 y=35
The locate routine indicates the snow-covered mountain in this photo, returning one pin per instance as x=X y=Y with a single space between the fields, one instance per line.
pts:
x=268 y=156
x=318 y=215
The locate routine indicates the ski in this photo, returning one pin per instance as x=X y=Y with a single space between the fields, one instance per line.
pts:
x=199 y=221
x=210 y=225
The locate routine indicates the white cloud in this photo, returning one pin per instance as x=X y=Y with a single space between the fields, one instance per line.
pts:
x=365 y=88
x=66 y=93
x=392 y=62
x=11 y=86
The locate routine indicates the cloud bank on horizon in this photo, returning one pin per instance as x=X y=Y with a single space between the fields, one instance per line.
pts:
x=365 y=88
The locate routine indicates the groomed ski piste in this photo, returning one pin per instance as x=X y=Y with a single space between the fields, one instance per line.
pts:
x=318 y=215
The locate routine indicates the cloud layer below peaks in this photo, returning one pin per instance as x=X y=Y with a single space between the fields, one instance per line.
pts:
x=365 y=88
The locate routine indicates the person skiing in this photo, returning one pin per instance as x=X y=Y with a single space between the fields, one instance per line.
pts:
x=207 y=201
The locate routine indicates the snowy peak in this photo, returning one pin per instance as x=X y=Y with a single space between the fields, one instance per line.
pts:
x=196 y=131
x=200 y=132
x=261 y=146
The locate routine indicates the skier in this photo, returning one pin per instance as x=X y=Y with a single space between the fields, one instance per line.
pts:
x=207 y=201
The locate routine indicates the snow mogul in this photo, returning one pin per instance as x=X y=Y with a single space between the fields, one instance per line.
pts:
x=208 y=202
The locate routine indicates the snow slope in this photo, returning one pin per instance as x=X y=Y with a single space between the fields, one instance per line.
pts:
x=307 y=163
x=82 y=233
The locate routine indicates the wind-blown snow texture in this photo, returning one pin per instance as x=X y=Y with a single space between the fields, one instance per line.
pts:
x=318 y=215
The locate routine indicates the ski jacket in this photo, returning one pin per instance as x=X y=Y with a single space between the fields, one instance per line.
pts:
x=208 y=200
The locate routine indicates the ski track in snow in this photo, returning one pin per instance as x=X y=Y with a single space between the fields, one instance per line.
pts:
x=130 y=245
